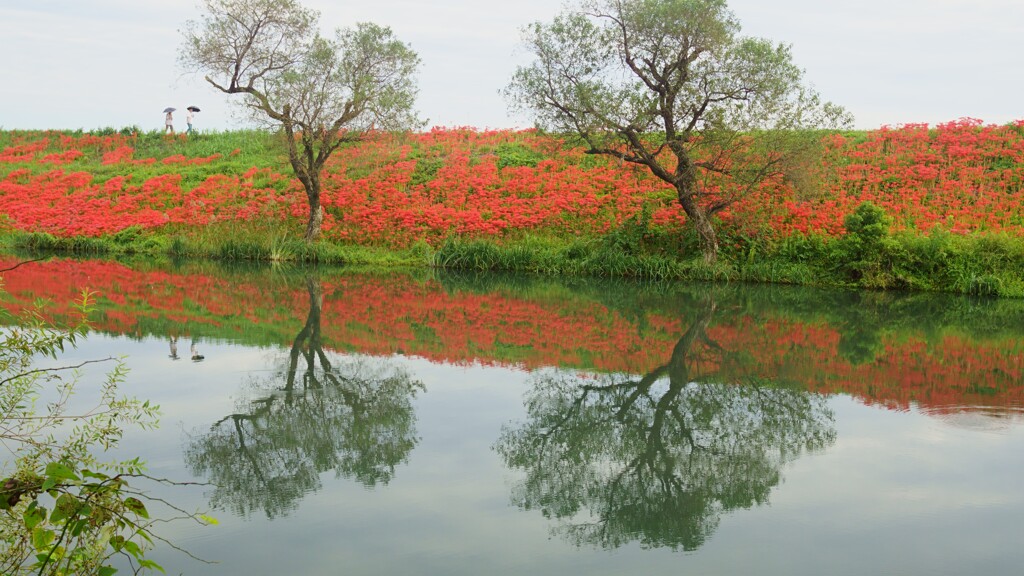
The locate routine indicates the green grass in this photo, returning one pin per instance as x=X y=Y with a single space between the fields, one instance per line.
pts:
x=981 y=265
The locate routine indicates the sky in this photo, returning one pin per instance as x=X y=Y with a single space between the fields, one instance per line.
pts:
x=88 y=64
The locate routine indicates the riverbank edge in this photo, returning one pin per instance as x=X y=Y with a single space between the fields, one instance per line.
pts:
x=976 y=265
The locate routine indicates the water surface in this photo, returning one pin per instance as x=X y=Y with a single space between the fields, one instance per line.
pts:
x=432 y=423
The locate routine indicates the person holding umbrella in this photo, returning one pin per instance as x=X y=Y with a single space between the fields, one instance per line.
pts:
x=169 y=120
x=188 y=118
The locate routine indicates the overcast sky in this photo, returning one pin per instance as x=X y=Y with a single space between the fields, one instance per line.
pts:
x=95 y=63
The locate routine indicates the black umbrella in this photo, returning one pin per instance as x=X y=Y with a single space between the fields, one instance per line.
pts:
x=168 y=110
x=193 y=108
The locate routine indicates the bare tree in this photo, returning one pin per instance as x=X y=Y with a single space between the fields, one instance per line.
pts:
x=322 y=92
x=672 y=86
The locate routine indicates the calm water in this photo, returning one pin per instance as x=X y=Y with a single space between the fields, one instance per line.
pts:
x=449 y=424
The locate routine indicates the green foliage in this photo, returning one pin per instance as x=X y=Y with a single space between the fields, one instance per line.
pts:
x=110 y=131
x=574 y=259
x=75 y=245
x=62 y=510
x=862 y=250
x=517 y=154
x=631 y=236
x=422 y=252
x=128 y=236
x=425 y=171
x=243 y=249
x=867 y=258
x=867 y=226
x=986 y=265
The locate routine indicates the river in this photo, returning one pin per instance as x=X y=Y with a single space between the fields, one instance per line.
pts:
x=425 y=422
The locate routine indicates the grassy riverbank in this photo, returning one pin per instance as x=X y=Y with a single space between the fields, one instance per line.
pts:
x=938 y=209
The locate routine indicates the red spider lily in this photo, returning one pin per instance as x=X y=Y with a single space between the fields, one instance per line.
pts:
x=963 y=177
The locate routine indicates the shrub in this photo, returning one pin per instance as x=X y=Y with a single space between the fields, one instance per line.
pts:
x=862 y=250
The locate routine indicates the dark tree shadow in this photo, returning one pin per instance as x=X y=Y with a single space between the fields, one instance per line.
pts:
x=318 y=413
x=659 y=459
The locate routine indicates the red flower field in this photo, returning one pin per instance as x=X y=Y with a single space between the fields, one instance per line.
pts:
x=962 y=177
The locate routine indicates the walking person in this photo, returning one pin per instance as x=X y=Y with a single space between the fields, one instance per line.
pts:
x=169 y=121
x=189 y=117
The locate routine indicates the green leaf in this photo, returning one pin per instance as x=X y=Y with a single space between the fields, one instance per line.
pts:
x=79 y=525
x=58 y=515
x=41 y=537
x=209 y=519
x=60 y=472
x=136 y=506
x=151 y=565
x=97 y=475
x=34 y=515
x=107 y=571
x=132 y=548
x=67 y=506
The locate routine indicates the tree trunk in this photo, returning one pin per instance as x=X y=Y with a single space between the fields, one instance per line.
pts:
x=698 y=217
x=309 y=176
x=316 y=212
x=316 y=218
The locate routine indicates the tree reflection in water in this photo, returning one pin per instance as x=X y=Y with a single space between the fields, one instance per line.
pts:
x=350 y=415
x=658 y=459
